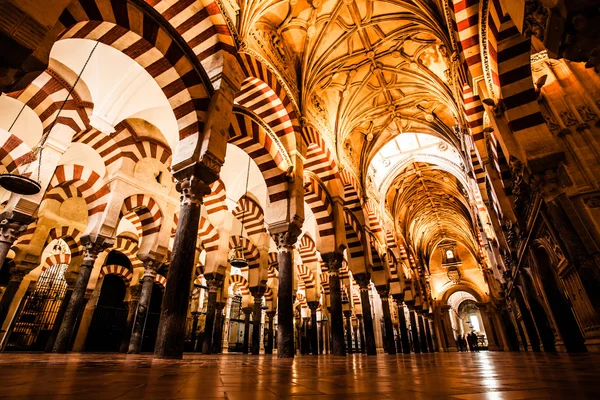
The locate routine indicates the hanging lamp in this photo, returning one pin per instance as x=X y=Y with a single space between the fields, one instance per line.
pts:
x=235 y=261
x=21 y=183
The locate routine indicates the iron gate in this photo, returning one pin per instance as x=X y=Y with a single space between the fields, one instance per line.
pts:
x=32 y=327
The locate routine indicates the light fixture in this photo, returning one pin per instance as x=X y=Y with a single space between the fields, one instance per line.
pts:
x=21 y=183
x=235 y=261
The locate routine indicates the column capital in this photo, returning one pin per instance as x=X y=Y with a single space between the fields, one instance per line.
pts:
x=313 y=305
x=271 y=314
x=286 y=239
x=359 y=317
x=363 y=280
x=384 y=292
x=151 y=267
x=347 y=313
x=333 y=261
x=93 y=246
x=247 y=310
x=192 y=188
x=258 y=292
x=399 y=299
x=12 y=225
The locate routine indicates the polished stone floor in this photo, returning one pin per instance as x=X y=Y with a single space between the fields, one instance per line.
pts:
x=445 y=376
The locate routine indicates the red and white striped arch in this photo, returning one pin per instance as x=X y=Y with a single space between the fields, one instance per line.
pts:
x=252 y=215
x=317 y=198
x=118 y=270
x=246 y=249
x=56 y=259
x=307 y=249
x=209 y=237
x=241 y=283
x=144 y=213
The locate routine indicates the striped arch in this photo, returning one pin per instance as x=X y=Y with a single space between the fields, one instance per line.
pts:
x=344 y=271
x=13 y=152
x=317 y=198
x=378 y=265
x=466 y=13
x=374 y=218
x=56 y=259
x=353 y=194
x=269 y=295
x=249 y=136
x=325 y=282
x=239 y=282
x=25 y=238
x=319 y=159
x=161 y=280
x=69 y=235
x=118 y=270
x=246 y=249
x=129 y=249
x=215 y=201
x=301 y=299
x=143 y=212
x=273 y=260
x=263 y=94
x=354 y=236
x=140 y=33
x=251 y=213
x=174 y=226
x=209 y=237
x=307 y=249
x=306 y=276
x=85 y=182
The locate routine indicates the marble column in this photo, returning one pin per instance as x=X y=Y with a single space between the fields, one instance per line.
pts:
x=247 y=311
x=398 y=339
x=488 y=326
x=314 y=334
x=12 y=225
x=428 y=335
x=422 y=335
x=195 y=318
x=333 y=261
x=134 y=299
x=348 y=315
x=269 y=348
x=414 y=332
x=356 y=344
x=71 y=278
x=285 y=297
x=390 y=345
x=214 y=282
x=218 y=329
x=257 y=293
x=92 y=247
x=170 y=338
x=402 y=325
x=364 y=282
x=446 y=329
x=361 y=332
x=17 y=274
x=151 y=267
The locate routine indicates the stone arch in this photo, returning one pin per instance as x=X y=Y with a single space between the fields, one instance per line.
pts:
x=119 y=270
x=252 y=214
x=144 y=213
x=239 y=282
x=307 y=249
x=13 y=152
x=463 y=286
x=321 y=161
x=353 y=194
x=246 y=249
x=55 y=259
x=209 y=237
x=318 y=199
x=129 y=248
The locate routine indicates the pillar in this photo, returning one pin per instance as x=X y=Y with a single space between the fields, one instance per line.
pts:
x=422 y=335
x=361 y=332
x=195 y=317
x=269 y=348
x=218 y=329
x=398 y=339
x=428 y=336
x=446 y=329
x=151 y=267
x=92 y=246
x=390 y=345
x=488 y=326
x=348 y=315
x=334 y=263
x=170 y=336
x=314 y=333
x=17 y=274
x=12 y=225
x=258 y=293
x=71 y=278
x=134 y=299
x=285 y=298
x=414 y=332
x=356 y=344
x=214 y=282
x=364 y=283
x=247 y=311
x=402 y=325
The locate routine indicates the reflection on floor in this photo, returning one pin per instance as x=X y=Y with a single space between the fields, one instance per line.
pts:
x=453 y=376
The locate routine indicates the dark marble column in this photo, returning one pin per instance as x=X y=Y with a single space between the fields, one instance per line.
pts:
x=402 y=325
x=422 y=335
x=217 y=342
x=269 y=347
x=415 y=332
x=314 y=334
x=247 y=311
x=170 y=338
x=16 y=277
x=195 y=317
x=305 y=343
x=361 y=332
x=71 y=278
x=285 y=297
x=390 y=345
x=214 y=281
x=348 y=315
x=92 y=246
x=151 y=267
x=12 y=225
x=398 y=339
x=428 y=334
x=364 y=282
x=356 y=344
x=333 y=261
x=257 y=293
x=134 y=299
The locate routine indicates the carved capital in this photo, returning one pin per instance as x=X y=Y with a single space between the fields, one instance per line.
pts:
x=384 y=293
x=92 y=246
x=313 y=305
x=12 y=225
x=151 y=267
x=364 y=281
x=192 y=190
x=258 y=292
x=285 y=240
x=215 y=282
x=333 y=261
x=271 y=314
